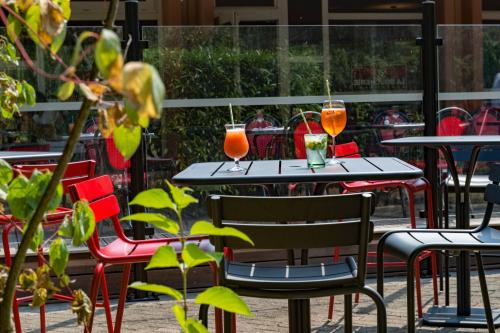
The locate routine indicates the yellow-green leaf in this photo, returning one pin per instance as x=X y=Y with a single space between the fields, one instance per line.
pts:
x=181 y=196
x=13 y=28
x=157 y=220
x=207 y=228
x=127 y=140
x=153 y=198
x=193 y=256
x=180 y=314
x=83 y=222
x=66 y=90
x=107 y=52
x=33 y=20
x=6 y=173
x=225 y=299
x=58 y=256
x=164 y=257
x=157 y=288
x=194 y=326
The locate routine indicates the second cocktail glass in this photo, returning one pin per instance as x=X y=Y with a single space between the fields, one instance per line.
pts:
x=236 y=144
x=333 y=120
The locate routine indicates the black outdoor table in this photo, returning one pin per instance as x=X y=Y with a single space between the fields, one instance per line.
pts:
x=296 y=171
x=13 y=157
x=462 y=315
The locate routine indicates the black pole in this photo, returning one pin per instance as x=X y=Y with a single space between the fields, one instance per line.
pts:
x=430 y=94
x=137 y=166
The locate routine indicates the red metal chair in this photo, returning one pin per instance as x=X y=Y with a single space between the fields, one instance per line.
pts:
x=75 y=172
x=262 y=145
x=99 y=192
x=351 y=150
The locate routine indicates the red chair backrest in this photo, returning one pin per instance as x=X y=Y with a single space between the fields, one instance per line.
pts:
x=346 y=150
x=260 y=142
x=453 y=121
x=99 y=192
x=298 y=136
x=115 y=159
x=487 y=122
x=75 y=172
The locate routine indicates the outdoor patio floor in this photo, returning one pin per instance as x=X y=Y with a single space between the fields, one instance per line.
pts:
x=270 y=315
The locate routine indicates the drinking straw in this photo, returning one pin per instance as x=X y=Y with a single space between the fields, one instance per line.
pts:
x=328 y=91
x=305 y=121
x=231 y=112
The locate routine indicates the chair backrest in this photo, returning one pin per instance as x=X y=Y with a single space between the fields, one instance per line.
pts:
x=30 y=147
x=346 y=150
x=296 y=129
x=388 y=117
x=261 y=145
x=263 y=218
x=99 y=192
x=453 y=121
x=487 y=121
x=75 y=172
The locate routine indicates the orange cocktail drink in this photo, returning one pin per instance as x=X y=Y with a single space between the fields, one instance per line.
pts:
x=236 y=144
x=333 y=120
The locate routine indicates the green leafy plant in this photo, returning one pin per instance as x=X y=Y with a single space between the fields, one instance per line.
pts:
x=109 y=83
x=190 y=257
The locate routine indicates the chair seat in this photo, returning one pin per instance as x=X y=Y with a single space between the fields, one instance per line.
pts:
x=127 y=251
x=477 y=181
x=245 y=275
x=56 y=215
x=404 y=243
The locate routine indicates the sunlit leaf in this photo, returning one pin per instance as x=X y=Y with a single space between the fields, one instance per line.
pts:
x=28 y=279
x=29 y=92
x=23 y=5
x=6 y=173
x=78 y=46
x=181 y=196
x=180 y=314
x=153 y=198
x=157 y=288
x=127 y=140
x=33 y=20
x=85 y=90
x=164 y=257
x=38 y=237
x=193 y=256
x=16 y=198
x=225 y=299
x=66 y=8
x=58 y=256
x=13 y=28
x=108 y=52
x=52 y=18
x=58 y=40
x=40 y=296
x=207 y=228
x=66 y=90
x=195 y=326
x=157 y=220
x=83 y=221
x=66 y=228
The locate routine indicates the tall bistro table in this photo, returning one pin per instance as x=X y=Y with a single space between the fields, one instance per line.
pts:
x=462 y=315
x=13 y=157
x=296 y=171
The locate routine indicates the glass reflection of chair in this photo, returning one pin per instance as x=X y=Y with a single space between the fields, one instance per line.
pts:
x=263 y=146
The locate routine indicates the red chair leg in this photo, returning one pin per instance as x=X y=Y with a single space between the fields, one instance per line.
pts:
x=96 y=279
x=336 y=257
x=123 y=296
x=418 y=289
x=105 y=301
x=17 y=318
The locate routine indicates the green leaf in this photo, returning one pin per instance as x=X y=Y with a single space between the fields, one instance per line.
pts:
x=194 y=326
x=66 y=90
x=78 y=46
x=180 y=195
x=193 y=256
x=66 y=228
x=16 y=198
x=225 y=299
x=12 y=52
x=157 y=220
x=83 y=222
x=6 y=173
x=127 y=140
x=13 y=28
x=157 y=288
x=207 y=228
x=179 y=314
x=38 y=237
x=164 y=257
x=108 y=49
x=66 y=8
x=58 y=256
x=58 y=40
x=33 y=20
x=29 y=92
x=153 y=198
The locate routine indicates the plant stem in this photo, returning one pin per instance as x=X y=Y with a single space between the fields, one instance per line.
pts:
x=10 y=288
x=184 y=270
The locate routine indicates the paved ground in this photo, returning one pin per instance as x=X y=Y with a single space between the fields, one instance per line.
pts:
x=270 y=315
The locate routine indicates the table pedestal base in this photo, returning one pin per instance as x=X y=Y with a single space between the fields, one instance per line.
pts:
x=299 y=317
x=446 y=316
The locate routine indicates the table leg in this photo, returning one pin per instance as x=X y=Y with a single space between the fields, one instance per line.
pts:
x=463 y=315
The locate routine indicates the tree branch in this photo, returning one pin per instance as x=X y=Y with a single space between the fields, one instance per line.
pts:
x=10 y=288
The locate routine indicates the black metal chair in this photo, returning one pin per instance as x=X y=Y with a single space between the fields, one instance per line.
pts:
x=408 y=244
x=266 y=223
